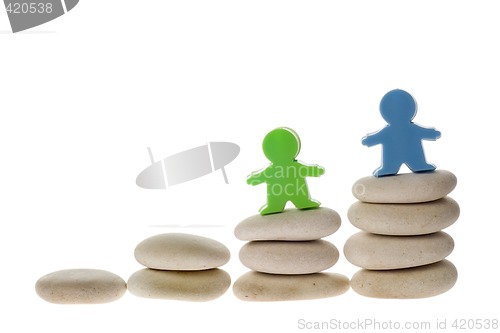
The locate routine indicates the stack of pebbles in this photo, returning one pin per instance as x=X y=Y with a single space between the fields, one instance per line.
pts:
x=402 y=249
x=286 y=253
x=180 y=267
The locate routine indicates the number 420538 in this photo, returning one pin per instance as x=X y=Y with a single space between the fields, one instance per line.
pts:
x=29 y=8
x=471 y=324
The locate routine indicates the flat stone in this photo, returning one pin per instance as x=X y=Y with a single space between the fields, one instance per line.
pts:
x=405 y=188
x=290 y=225
x=184 y=252
x=193 y=286
x=279 y=257
x=80 y=286
x=404 y=219
x=262 y=287
x=379 y=252
x=417 y=282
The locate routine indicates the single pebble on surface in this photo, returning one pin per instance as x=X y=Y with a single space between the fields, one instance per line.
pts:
x=80 y=286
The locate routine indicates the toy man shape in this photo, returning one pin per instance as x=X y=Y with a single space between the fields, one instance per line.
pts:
x=401 y=139
x=285 y=176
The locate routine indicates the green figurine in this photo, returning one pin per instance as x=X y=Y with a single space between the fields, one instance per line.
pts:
x=285 y=176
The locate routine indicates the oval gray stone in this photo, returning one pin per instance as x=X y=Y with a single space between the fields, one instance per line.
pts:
x=279 y=257
x=290 y=225
x=262 y=287
x=405 y=188
x=194 y=286
x=380 y=252
x=184 y=252
x=80 y=286
x=404 y=219
x=418 y=282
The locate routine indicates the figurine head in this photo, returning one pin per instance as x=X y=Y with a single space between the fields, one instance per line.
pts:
x=398 y=106
x=281 y=145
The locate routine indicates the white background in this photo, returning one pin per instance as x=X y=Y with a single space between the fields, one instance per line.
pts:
x=82 y=97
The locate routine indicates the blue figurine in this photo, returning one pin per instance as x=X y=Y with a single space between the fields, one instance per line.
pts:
x=401 y=139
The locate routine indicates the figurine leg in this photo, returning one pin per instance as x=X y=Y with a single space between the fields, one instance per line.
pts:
x=390 y=166
x=387 y=170
x=274 y=205
x=420 y=165
x=416 y=161
x=305 y=203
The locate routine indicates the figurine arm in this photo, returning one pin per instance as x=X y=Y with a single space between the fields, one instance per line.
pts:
x=311 y=170
x=256 y=177
x=372 y=139
x=429 y=133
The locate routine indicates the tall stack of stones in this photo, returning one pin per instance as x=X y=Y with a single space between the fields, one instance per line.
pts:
x=402 y=248
x=286 y=254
